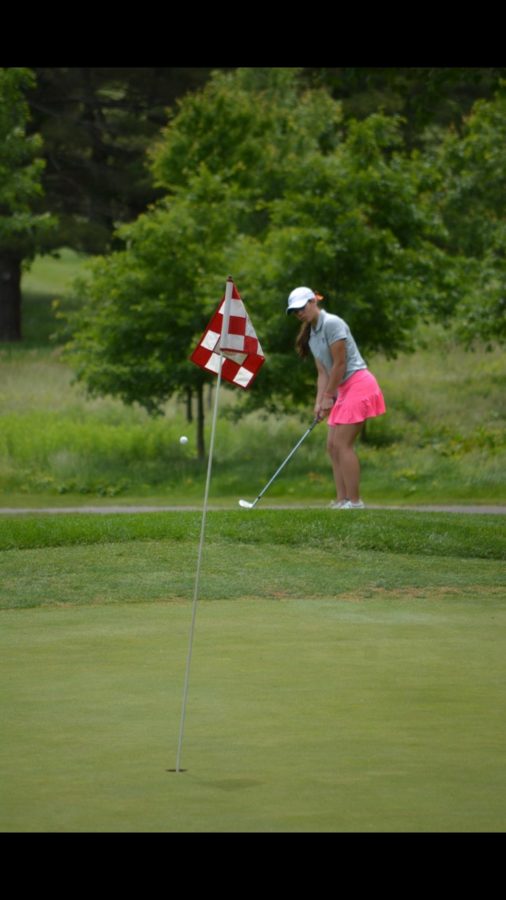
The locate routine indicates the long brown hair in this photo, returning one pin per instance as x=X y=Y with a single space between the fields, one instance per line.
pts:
x=302 y=339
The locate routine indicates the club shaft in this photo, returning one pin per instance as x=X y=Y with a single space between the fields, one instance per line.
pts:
x=283 y=464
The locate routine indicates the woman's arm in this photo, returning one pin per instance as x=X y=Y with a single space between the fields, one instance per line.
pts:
x=336 y=375
x=328 y=383
x=321 y=387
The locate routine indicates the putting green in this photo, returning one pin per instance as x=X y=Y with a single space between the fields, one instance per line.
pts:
x=380 y=714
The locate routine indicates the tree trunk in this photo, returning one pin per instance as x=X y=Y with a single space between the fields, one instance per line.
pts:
x=201 y=449
x=189 y=409
x=10 y=298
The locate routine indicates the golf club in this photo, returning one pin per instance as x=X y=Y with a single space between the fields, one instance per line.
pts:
x=245 y=504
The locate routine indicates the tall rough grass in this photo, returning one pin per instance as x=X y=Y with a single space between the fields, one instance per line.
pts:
x=440 y=440
x=443 y=437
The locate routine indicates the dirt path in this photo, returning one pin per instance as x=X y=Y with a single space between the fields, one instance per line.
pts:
x=105 y=510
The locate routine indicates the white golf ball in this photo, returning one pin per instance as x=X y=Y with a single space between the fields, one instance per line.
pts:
x=183 y=439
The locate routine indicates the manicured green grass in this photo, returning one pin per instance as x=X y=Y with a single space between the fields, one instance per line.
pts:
x=427 y=534
x=348 y=668
x=347 y=673
x=303 y=715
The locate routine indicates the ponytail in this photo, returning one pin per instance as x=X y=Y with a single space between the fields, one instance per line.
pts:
x=302 y=340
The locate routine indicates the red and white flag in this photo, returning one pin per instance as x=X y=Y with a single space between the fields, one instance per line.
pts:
x=240 y=348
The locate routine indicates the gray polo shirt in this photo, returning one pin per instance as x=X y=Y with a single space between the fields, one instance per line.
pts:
x=330 y=329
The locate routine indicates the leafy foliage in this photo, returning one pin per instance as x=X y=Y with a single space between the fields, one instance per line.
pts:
x=96 y=124
x=21 y=169
x=262 y=178
x=472 y=197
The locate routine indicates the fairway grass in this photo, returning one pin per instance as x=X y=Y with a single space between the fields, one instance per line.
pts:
x=347 y=674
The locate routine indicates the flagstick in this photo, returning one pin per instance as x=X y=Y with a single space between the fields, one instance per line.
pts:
x=224 y=330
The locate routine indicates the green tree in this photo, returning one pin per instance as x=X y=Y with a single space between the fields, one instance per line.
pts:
x=88 y=174
x=358 y=225
x=261 y=181
x=424 y=96
x=220 y=163
x=21 y=229
x=471 y=194
x=96 y=124
x=144 y=307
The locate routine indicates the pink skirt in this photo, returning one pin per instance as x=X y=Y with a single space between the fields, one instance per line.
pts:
x=359 y=398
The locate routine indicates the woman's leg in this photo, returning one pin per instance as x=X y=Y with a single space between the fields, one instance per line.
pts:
x=338 y=478
x=345 y=464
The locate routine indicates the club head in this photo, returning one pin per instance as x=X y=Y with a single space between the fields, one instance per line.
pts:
x=245 y=505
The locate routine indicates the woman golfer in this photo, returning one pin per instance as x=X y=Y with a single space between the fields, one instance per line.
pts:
x=346 y=391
